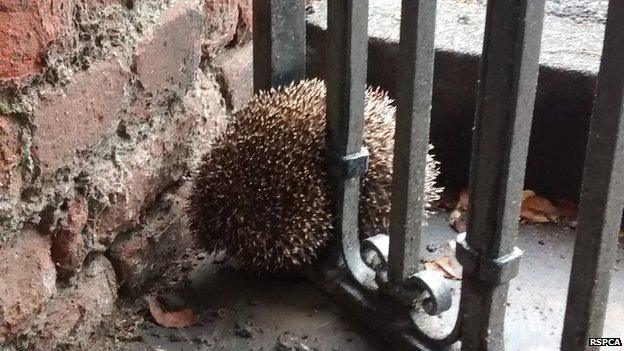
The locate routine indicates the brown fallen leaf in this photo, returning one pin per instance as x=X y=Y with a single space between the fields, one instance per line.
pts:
x=457 y=220
x=537 y=209
x=463 y=200
x=458 y=217
x=182 y=318
x=443 y=265
x=527 y=194
x=566 y=208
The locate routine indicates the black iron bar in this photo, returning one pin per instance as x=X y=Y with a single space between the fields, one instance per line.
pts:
x=509 y=69
x=279 y=43
x=347 y=50
x=414 y=92
x=601 y=196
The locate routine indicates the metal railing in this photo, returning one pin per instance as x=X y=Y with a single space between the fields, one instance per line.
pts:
x=384 y=293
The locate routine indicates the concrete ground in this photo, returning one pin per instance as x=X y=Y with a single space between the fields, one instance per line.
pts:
x=572 y=35
x=537 y=296
x=239 y=312
x=273 y=310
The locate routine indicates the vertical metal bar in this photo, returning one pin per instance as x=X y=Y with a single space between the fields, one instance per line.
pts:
x=509 y=69
x=601 y=196
x=278 y=42
x=347 y=51
x=414 y=92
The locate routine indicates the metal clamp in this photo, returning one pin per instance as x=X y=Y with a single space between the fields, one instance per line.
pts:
x=495 y=271
x=348 y=166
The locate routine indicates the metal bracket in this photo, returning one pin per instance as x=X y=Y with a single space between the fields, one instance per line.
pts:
x=494 y=271
x=348 y=166
x=374 y=251
x=375 y=255
x=437 y=288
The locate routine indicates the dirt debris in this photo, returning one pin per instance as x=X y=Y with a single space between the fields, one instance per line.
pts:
x=290 y=342
x=244 y=329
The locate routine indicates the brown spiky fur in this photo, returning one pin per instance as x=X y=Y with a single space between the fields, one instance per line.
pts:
x=262 y=192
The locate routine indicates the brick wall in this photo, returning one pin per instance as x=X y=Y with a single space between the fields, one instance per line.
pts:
x=105 y=105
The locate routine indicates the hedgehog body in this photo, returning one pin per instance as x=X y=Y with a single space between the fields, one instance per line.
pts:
x=262 y=192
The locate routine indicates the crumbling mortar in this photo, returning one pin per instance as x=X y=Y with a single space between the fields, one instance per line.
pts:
x=93 y=40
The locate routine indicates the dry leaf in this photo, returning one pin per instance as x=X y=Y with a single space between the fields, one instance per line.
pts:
x=171 y=319
x=457 y=220
x=443 y=265
x=527 y=194
x=567 y=208
x=534 y=209
x=537 y=209
x=463 y=200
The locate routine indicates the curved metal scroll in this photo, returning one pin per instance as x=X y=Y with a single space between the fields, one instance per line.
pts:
x=438 y=292
x=360 y=271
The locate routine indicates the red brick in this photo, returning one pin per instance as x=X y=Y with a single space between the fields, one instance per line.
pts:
x=140 y=189
x=9 y=150
x=74 y=119
x=139 y=255
x=114 y=2
x=160 y=160
x=71 y=316
x=27 y=280
x=141 y=185
x=68 y=245
x=169 y=57
x=235 y=71
x=244 y=27
x=27 y=28
x=221 y=23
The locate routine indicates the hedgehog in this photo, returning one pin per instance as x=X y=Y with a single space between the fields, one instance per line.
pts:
x=263 y=194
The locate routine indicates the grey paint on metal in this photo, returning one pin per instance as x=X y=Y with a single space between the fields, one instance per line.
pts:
x=414 y=92
x=279 y=42
x=346 y=85
x=601 y=196
x=509 y=68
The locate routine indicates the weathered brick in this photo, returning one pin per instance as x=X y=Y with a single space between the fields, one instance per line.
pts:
x=139 y=255
x=160 y=160
x=27 y=280
x=127 y=3
x=235 y=73
x=168 y=58
x=140 y=188
x=244 y=28
x=69 y=318
x=9 y=150
x=74 y=119
x=27 y=28
x=222 y=18
x=68 y=245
